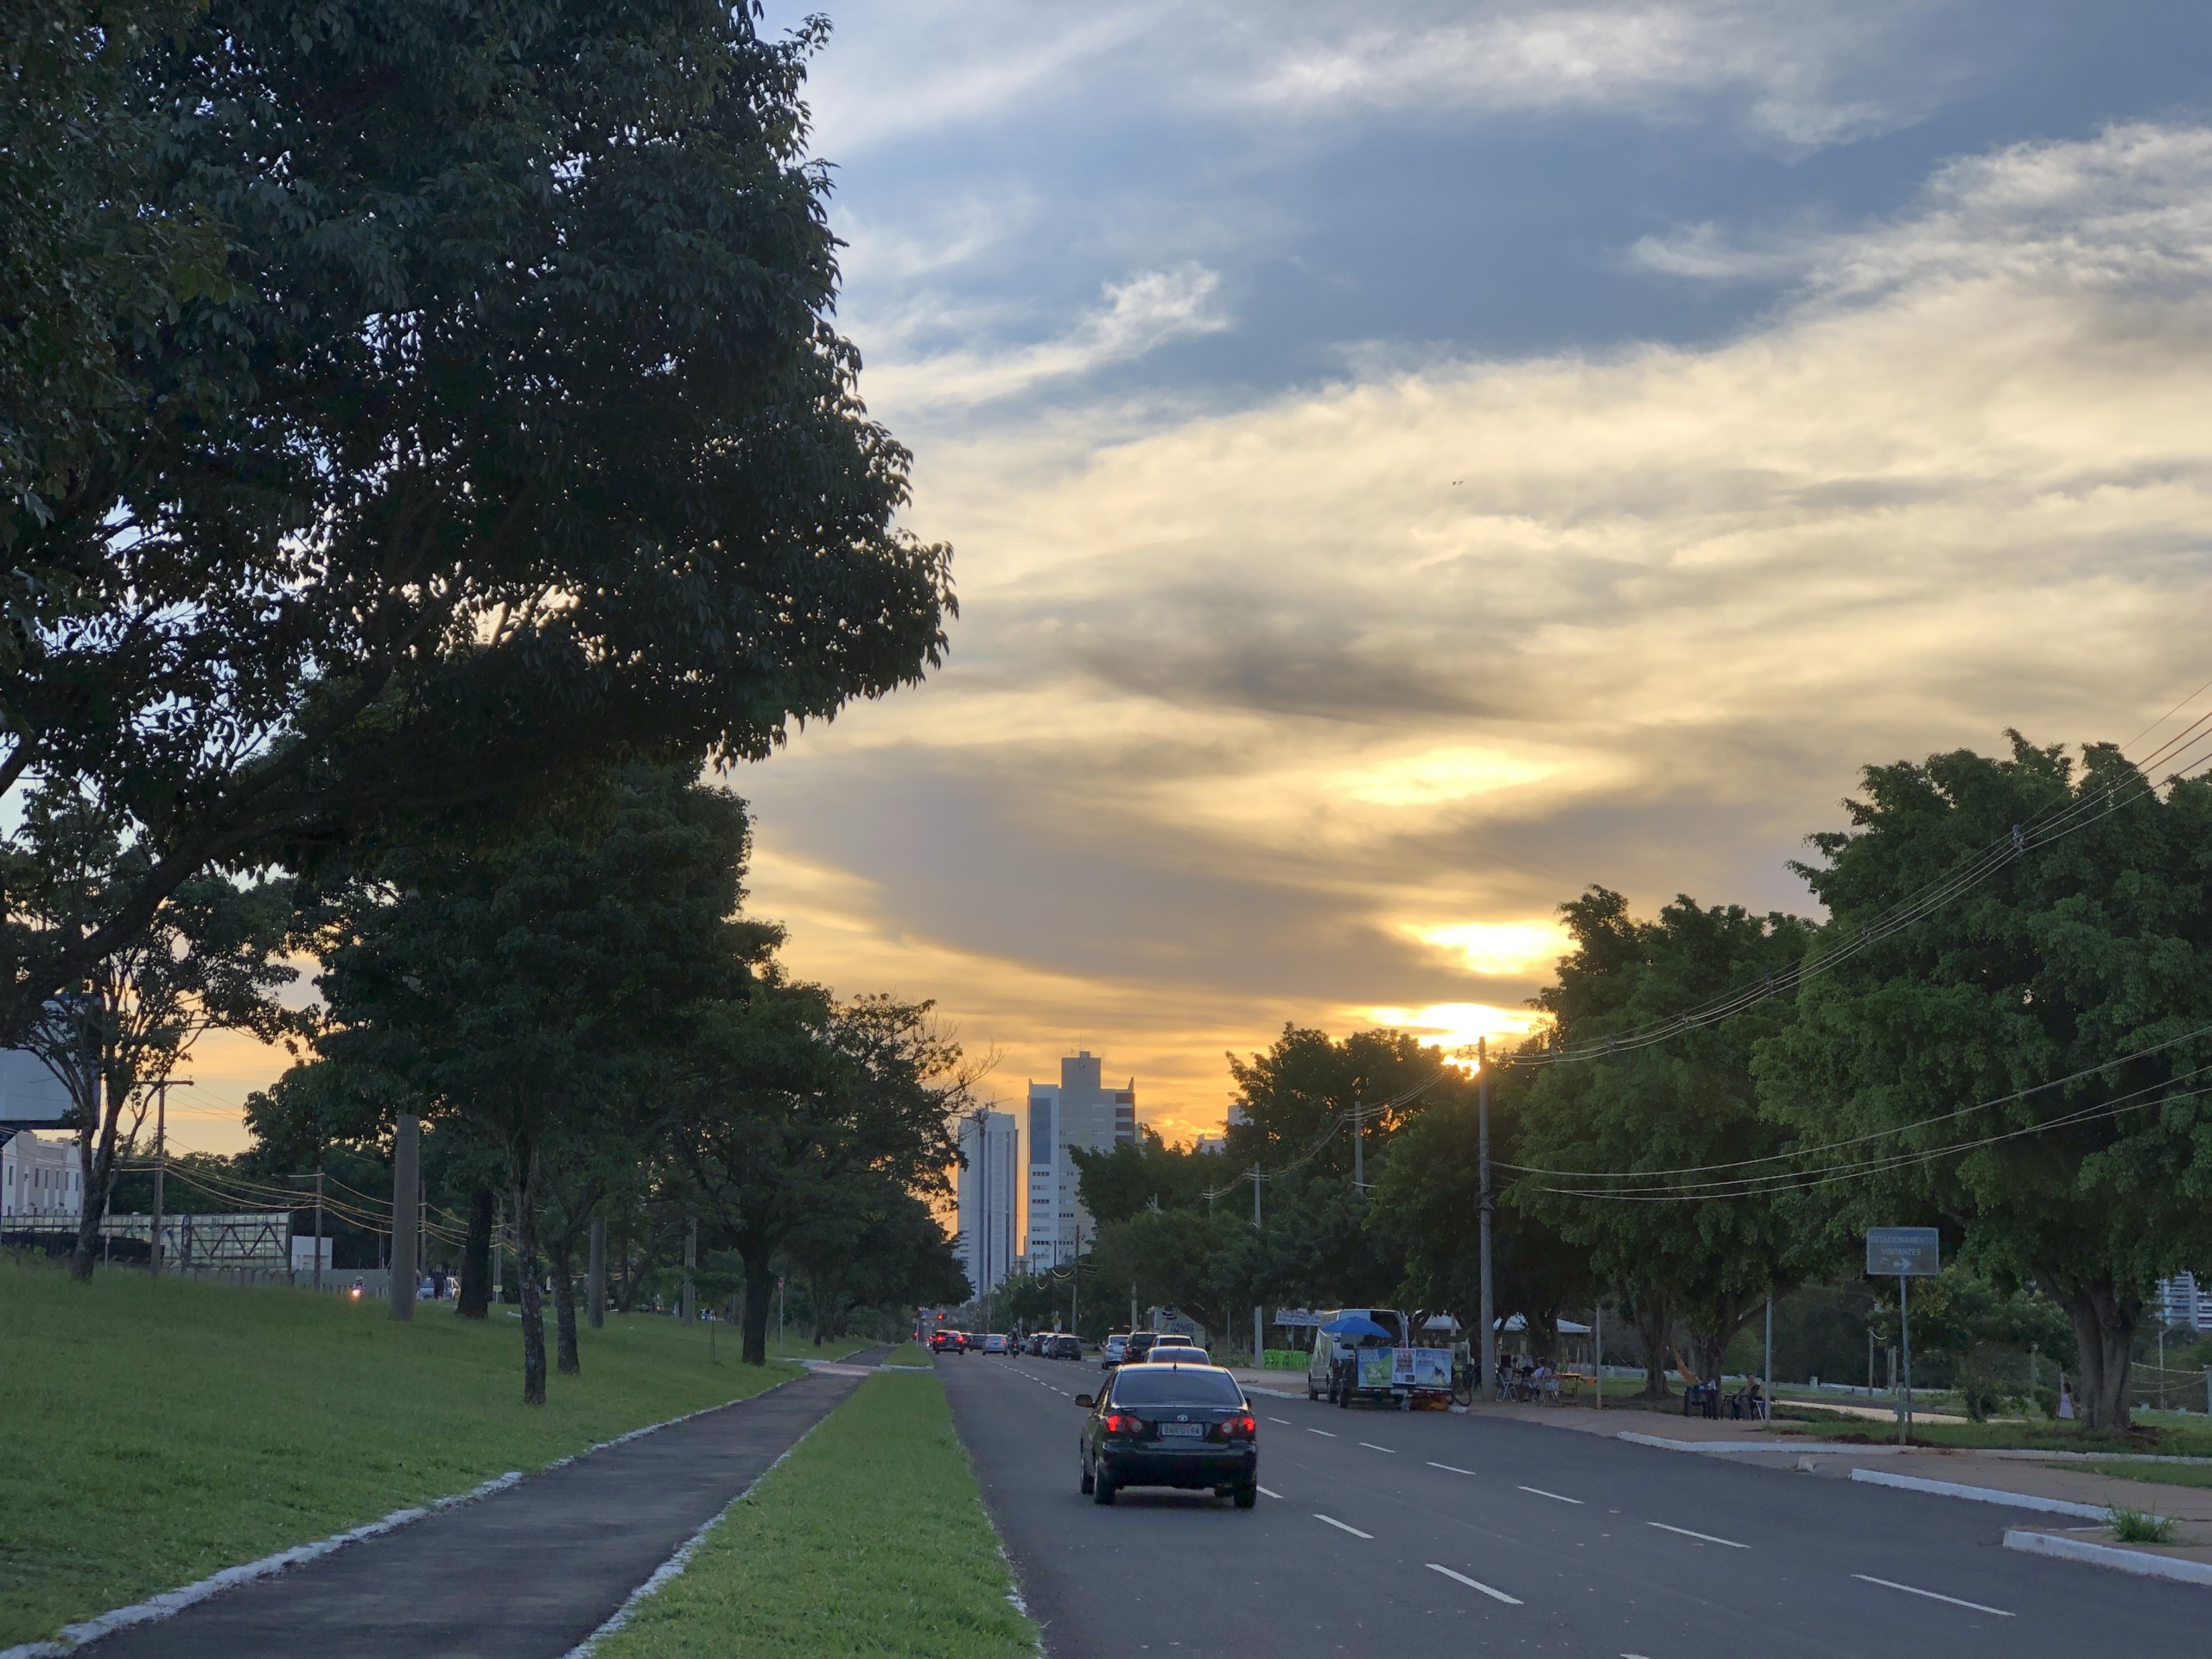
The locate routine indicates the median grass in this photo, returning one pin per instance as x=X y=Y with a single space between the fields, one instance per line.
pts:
x=155 y=1431
x=869 y=1539
x=908 y=1353
x=2163 y=1437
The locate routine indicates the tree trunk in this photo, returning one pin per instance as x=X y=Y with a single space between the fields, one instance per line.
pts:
x=1655 y=1324
x=564 y=1307
x=759 y=1294
x=96 y=1166
x=2104 y=1319
x=533 y=1293
x=476 y=1302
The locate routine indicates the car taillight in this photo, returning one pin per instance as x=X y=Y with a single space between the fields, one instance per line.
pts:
x=1240 y=1427
x=1120 y=1422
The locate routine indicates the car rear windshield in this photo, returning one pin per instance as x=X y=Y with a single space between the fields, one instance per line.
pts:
x=1177 y=1386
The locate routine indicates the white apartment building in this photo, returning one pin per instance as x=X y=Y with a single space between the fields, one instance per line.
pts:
x=1080 y=1111
x=2186 y=1304
x=39 y=1178
x=989 y=1190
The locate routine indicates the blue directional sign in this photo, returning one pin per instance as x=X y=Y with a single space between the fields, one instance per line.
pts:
x=1904 y=1252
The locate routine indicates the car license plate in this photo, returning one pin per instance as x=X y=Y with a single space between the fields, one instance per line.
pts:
x=1182 y=1431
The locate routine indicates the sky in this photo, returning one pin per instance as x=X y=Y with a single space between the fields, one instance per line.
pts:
x=1406 y=463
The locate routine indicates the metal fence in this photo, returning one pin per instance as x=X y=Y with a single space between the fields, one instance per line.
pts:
x=248 y=1242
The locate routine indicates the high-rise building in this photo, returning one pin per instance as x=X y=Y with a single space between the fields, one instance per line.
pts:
x=988 y=1240
x=1079 y=1111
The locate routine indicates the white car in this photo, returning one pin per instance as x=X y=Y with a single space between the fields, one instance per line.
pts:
x=996 y=1343
x=1110 y=1356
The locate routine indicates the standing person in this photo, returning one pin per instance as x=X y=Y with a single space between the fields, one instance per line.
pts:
x=2065 y=1400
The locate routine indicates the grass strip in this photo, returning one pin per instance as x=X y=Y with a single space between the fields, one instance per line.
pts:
x=2157 y=1474
x=2150 y=1439
x=908 y=1353
x=155 y=1432
x=870 y=1539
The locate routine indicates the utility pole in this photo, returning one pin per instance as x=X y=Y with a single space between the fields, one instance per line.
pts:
x=1597 y=1353
x=498 y=1260
x=596 y=1281
x=318 y=1229
x=779 y=1310
x=1359 y=1146
x=1487 y=1379
x=1258 y=1344
x=1075 y=1288
x=1769 y=1384
x=1904 y=1341
x=161 y=1166
x=406 y=1185
x=1256 y=1197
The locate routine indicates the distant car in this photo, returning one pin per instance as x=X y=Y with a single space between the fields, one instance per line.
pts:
x=1172 y=1339
x=1184 y=1425
x=997 y=1343
x=1064 y=1347
x=944 y=1342
x=1179 y=1355
x=1139 y=1344
x=1110 y=1355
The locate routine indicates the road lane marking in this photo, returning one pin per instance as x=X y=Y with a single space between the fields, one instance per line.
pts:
x=1371 y=1446
x=1891 y=1583
x=1323 y=1433
x=1475 y=1584
x=1340 y=1526
x=1279 y=1419
x=1555 y=1497
x=1433 y=1464
x=1264 y=1492
x=1706 y=1536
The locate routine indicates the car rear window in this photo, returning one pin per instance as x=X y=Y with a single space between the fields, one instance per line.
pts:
x=1177 y=1386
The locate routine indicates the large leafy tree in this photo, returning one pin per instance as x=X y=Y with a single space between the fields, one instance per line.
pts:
x=214 y=959
x=527 y=986
x=510 y=426
x=2088 y=1174
x=1599 y=1135
x=796 y=1108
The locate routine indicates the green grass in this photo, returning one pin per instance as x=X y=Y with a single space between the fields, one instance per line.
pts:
x=908 y=1353
x=868 y=1540
x=155 y=1432
x=2134 y=1527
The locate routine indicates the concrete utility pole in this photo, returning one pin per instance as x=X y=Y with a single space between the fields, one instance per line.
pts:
x=1769 y=1384
x=1597 y=1353
x=1359 y=1145
x=1487 y=1379
x=1256 y=1197
x=406 y=1189
x=318 y=1229
x=596 y=1281
x=1075 y=1286
x=1904 y=1341
x=498 y=1261
x=1259 y=1343
x=687 y=1308
x=161 y=1166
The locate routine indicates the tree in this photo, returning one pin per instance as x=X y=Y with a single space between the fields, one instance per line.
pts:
x=214 y=959
x=510 y=431
x=2021 y=1059
x=794 y=1101
x=1601 y=1134
x=1145 y=1173
x=1299 y=1097
x=529 y=986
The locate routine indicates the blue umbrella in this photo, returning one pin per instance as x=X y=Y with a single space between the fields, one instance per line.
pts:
x=1355 y=1325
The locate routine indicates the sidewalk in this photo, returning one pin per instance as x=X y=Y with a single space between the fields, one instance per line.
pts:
x=526 y=1573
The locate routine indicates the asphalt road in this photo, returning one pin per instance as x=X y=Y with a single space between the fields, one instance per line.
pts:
x=1428 y=1532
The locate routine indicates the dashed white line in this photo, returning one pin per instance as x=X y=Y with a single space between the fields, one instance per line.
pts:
x=1475 y=1584
x=1449 y=1468
x=1705 y=1537
x=1264 y=1492
x=1340 y=1526
x=1323 y=1433
x=1371 y=1446
x=1890 y=1584
x=1279 y=1419
x=1555 y=1497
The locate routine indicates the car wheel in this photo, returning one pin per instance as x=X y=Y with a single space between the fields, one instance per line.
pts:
x=1246 y=1495
x=1086 y=1483
x=1102 y=1489
x=1344 y=1395
x=1310 y=1395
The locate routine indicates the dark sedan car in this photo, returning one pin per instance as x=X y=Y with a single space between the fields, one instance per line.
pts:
x=1169 y=1425
x=1064 y=1347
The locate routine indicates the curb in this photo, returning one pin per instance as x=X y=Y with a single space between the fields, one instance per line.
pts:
x=169 y=1603
x=2126 y=1561
x=1710 y=1447
x=1983 y=1494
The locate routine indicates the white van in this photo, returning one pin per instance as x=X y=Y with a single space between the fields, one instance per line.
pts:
x=1332 y=1370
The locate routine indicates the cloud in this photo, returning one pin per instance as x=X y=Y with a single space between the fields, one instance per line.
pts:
x=1297 y=710
x=1138 y=316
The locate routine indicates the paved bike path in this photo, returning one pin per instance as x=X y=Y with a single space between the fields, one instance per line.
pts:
x=526 y=1573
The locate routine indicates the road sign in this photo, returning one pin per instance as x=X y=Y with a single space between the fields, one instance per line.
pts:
x=1903 y=1252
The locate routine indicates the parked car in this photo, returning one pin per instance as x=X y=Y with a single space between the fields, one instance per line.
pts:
x=1183 y=1426
x=1064 y=1347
